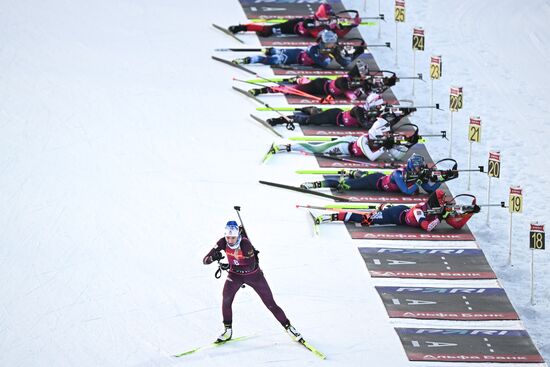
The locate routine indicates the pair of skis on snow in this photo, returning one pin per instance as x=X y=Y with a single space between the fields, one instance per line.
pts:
x=241 y=338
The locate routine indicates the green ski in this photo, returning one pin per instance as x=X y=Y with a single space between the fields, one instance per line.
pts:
x=316 y=229
x=212 y=345
x=333 y=171
x=293 y=109
x=312 y=349
x=361 y=206
x=289 y=80
x=272 y=150
x=282 y=20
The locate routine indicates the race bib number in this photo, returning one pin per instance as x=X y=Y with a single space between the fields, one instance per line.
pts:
x=418 y=215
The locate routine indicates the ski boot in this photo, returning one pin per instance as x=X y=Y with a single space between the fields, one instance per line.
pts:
x=326 y=218
x=294 y=334
x=226 y=335
x=311 y=185
x=257 y=91
x=237 y=28
x=276 y=148
x=277 y=121
x=244 y=60
x=288 y=121
x=355 y=173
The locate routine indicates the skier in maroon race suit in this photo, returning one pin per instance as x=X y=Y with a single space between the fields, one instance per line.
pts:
x=324 y=18
x=243 y=269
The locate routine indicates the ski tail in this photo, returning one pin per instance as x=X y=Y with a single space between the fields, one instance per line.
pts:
x=306 y=191
x=266 y=125
x=226 y=31
x=228 y=62
x=244 y=92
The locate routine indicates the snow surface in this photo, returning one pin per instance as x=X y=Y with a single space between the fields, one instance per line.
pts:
x=123 y=150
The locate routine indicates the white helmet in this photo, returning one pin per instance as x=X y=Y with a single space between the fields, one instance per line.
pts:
x=378 y=129
x=231 y=229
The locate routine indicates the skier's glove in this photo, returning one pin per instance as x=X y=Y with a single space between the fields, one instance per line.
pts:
x=477 y=208
x=390 y=81
x=449 y=175
x=309 y=24
x=434 y=178
x=413 y=139
x=217 y=256
x=359 y=50
x=424 y=175
x=388 y=143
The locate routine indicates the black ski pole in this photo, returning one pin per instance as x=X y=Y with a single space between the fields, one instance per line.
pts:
x=240 y=49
